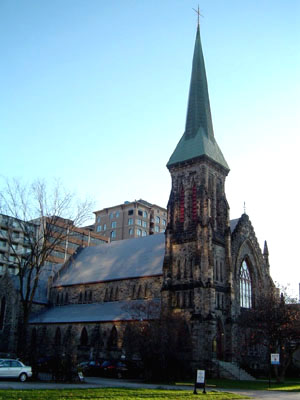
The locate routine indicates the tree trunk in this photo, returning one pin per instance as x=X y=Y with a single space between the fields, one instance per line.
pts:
x=22 y=349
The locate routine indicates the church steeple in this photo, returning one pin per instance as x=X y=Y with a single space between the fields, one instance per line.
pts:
x=198 y=139
x=197 y=233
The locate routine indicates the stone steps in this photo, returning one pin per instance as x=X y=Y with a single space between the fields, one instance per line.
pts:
x=233 y=371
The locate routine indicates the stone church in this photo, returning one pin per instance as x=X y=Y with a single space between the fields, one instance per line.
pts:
x=205 y=266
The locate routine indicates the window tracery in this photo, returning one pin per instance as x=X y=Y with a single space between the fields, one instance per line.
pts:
x=245 y=286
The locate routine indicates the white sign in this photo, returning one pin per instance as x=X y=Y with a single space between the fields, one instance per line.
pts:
x=200 y=376
x=275 y=359
x=80 y=376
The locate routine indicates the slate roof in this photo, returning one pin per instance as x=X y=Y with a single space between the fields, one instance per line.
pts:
x=116 y=260
x=99 y=312
x=41 y=293
x=198 y=139
x=233 y=224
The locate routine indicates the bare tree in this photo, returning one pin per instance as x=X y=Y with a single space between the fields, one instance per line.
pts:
x=274 y=327
x=39 y=218
x=162 y=341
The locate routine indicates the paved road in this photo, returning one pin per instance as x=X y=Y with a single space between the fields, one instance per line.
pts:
x=91 y=382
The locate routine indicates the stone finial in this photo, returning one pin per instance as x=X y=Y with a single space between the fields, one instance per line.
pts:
x=266 y=250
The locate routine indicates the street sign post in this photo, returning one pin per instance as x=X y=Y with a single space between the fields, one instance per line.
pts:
x=275 y=360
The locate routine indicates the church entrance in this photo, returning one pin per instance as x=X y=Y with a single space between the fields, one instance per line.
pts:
x=220 y=341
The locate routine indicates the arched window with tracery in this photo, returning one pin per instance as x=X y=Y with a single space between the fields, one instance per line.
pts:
x=181 y=205
x=245 y=286
x=2 y=312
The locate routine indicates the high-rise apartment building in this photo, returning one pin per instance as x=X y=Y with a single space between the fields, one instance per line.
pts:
x=17 y=238
x=130 y=220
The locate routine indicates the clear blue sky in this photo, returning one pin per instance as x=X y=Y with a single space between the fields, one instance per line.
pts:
x=95 y=92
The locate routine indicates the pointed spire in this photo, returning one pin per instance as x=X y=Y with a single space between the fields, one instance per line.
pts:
x=198 y=112
x=266 y=257
x=266 y=250
x=198 y=139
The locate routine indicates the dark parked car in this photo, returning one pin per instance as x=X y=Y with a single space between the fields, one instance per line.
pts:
x=90 y=368
x=120 y=369
x=46 y=364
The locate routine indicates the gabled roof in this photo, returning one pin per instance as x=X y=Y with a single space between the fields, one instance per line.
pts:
x=198 y=139
x=99 y=312
x=131 y=258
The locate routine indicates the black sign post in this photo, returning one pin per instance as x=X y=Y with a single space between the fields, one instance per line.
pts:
x=200 y=381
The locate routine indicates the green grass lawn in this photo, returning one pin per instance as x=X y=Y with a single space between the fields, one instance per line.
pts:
x=289 y=385
x=255 y=385
x=111 y=393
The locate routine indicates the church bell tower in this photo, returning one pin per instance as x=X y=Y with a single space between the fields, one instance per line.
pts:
x=197 y=257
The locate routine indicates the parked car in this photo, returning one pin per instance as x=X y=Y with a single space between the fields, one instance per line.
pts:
x=15 y=369
x=45 y=364
x=109 y=368
x=132 y=369
x=120 y=369
x=90 y=368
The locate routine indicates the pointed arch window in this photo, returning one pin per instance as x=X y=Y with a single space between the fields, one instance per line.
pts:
x=117 y=294
x=112 y=342
x=194 y=203
x=84 y=337
x=133 y=292
x=57 y=337
x=181 y=206
x=178 y=270
x=245 y=286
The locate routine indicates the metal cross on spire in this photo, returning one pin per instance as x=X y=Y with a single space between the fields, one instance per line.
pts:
x=244 y=207
x=199 y=14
